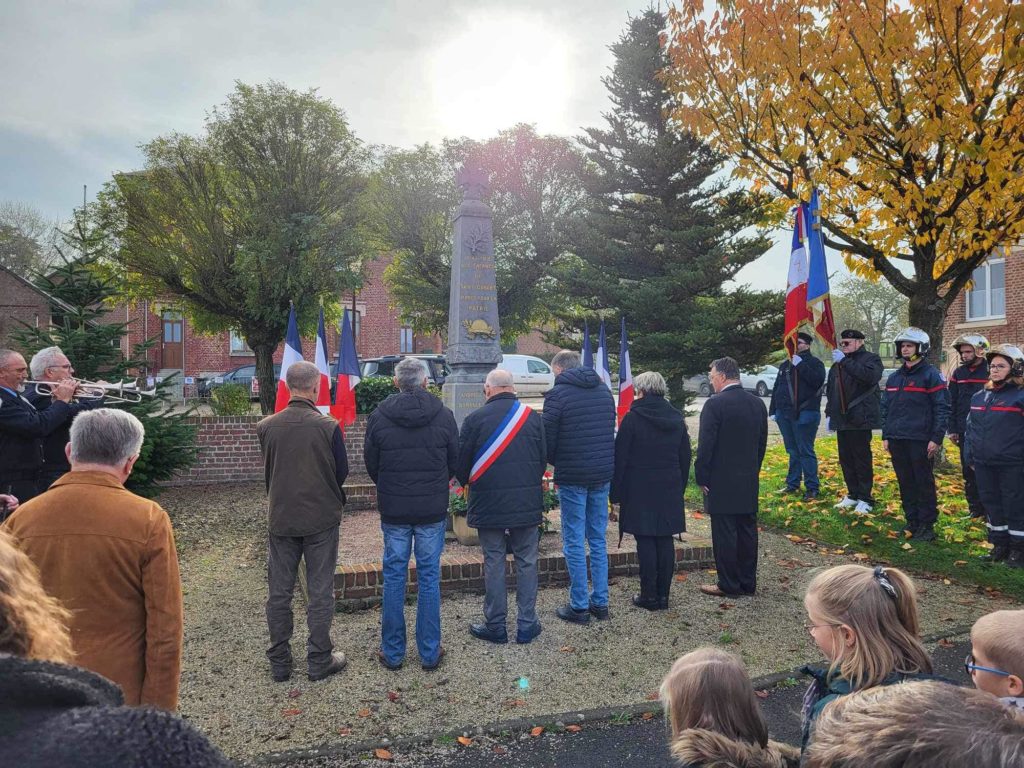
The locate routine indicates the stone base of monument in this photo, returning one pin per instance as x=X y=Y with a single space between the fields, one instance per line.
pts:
x=464 y=397
x=467 y=536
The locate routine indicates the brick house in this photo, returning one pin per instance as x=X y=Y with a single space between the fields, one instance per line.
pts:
x=993 y=306
x=22 y=302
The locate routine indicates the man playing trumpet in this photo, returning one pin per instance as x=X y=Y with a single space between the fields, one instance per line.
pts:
x=52 y=365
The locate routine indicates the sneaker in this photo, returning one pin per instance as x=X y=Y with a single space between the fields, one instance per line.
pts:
x=525 y=636
x=924 y=533
x=997 y=554
x=570 y=614
x=789 y=489
x=1016 y=559
x=338 y=663
x=599 y=612
x=863 y=508
x=846 y=502
x=483 y=632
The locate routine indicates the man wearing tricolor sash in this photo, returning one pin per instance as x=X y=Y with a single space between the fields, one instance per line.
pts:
x=502 y=458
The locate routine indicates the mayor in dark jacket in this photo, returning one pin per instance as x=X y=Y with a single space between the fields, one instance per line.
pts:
x=730 y=448
x=796 y=408
x=410 y=449
x=579 y=426
x=502 y=458
x=652 y=465
x=852 y=411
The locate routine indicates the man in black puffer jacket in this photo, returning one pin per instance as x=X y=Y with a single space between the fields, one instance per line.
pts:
x=579 y=425
x=502 y=458
x=410 y=449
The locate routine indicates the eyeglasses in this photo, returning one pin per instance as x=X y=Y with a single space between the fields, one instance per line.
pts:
x=971 y=667
x=808 y=626
x=846 y=343
x=999 y=367
x=66 y=366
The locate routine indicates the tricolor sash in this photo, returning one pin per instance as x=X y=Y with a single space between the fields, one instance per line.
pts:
x=500 y=439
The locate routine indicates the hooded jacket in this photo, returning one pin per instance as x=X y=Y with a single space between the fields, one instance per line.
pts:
x=963 y=384
x=915 y=405
x=652 y=464
x=700 y=748
x=411 y=448
x=579 y=424
x=55 y=714
x=995 y=427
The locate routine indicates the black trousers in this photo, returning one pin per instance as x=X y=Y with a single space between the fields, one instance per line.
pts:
x=917 y=481
x=657 y=558
x=22 y=489
x=1002 y=494
x=734 y=540
x=855 y=459
x=974 y=502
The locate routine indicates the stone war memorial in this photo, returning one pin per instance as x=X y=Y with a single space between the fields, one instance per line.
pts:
x=474 y=346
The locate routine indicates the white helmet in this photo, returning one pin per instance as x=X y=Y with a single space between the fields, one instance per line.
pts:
x=914 y=336
x=1012 y=354
x=976 y=340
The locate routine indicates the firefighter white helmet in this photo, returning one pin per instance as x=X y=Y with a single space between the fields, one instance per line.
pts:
x=914 y=336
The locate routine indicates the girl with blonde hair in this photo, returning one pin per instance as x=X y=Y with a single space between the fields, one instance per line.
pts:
x=865 y=621
x=714 y=716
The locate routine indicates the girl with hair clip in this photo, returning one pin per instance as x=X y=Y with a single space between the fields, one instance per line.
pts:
x=865 y=622
x=52 y=713
x=714 y=716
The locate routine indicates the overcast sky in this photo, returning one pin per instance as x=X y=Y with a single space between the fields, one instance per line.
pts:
x=87 y=81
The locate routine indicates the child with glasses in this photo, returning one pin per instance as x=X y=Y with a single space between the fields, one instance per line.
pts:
x=996 y=663
x=865 y=621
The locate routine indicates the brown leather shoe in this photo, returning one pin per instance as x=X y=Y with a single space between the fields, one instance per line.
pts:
x=713 y=590
x=436 y=664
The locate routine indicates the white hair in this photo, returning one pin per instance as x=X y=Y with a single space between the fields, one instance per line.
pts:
x=47 y=357
x=650 y=383
x=499 y=377
x=105 y=436
x=410 y=373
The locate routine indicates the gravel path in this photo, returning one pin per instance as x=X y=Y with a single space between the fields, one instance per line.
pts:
x=227 y=691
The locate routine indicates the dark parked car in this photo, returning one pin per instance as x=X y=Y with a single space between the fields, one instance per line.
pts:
x=245 y=375
x=385 y=367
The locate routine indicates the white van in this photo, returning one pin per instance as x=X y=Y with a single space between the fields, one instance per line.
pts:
x=531 y=375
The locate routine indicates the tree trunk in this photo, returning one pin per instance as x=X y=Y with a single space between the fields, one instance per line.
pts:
x=265 y=374
x=928 y=312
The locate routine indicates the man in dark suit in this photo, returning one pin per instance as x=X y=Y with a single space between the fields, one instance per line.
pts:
x=730 y=448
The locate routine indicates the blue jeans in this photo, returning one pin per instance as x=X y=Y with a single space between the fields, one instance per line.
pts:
x=585 y=517
x=399 y=541
x=798 y=436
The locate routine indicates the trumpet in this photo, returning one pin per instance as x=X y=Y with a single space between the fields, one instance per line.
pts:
x=114 y=392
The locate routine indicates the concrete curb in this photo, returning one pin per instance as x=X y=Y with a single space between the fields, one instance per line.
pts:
x=523 y=725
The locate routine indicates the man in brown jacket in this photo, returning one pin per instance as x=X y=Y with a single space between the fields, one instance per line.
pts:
x=305 y=467
x=108 y=556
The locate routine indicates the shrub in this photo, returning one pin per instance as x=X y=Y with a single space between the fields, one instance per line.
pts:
x=230 y=400
x=371 y=392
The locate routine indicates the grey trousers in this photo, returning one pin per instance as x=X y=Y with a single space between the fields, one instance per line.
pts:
x=320 y=551
x=525 y=543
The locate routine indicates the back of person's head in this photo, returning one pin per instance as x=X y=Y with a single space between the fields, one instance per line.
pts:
x=872 y=613
x=410 y=373
x=917 y=725
x=105 y=436
x=301 y=377
x=1000 y=637
x=650 y=383
x=709 y=688
x=33 y=625
x=499 y=378
x=566 y=360
x=728 y=367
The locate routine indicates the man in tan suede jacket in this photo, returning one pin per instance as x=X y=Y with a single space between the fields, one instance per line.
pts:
x=109 y=556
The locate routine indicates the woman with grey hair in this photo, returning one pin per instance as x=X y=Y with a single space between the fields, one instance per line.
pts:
x=652 y=464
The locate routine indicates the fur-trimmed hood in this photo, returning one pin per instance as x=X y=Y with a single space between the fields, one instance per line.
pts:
x=699 y=748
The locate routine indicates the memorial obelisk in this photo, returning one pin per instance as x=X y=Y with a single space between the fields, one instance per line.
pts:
x=473 y=333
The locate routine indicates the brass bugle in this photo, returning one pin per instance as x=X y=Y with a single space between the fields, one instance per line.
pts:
x=114 y=392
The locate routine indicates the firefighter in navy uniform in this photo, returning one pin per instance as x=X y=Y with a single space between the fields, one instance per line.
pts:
x=966 y=380
x=915 y=412
x=22 y=427
x=994 y=446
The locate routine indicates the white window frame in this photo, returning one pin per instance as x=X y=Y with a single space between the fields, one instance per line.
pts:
x=237 y=345
x=988 y=293
x=406 y=340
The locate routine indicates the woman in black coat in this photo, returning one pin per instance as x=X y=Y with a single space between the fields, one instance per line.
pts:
x=652 y=464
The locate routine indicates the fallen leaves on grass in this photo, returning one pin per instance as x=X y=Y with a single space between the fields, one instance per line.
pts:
x=946 y=643
x=382 y=754
x=652 y=696
x=290 y=712
x=537 y=731
x=681 y=577
x=573 y=728
x=568 y=649
x=464 y=741
x=344 y=731
x=762 y=694
x=363 y=713
x=647 y=715
x=294 y=693
x=393 y=696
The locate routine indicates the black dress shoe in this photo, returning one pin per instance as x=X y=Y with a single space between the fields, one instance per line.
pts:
x=599 y=612
x=338 y=663
x=663 y=603
x=281 y=674
x=570 y=614
x=483 y=632
x=525 y=636
x=810 y=495
x=997 y=554
x=1016 y=559
x=924 y=533
x=647 y=603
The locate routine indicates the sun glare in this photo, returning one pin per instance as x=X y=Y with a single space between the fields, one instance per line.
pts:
x=498 y=71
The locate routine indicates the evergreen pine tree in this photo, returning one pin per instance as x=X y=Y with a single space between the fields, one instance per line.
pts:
x=661 y=234
x=81 y=326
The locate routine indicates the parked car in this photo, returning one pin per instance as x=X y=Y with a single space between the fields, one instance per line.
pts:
x=531 y=375
x=245 y=375
x=886 y=373
x=384 y=367
x=700 y=384
x=761 y=381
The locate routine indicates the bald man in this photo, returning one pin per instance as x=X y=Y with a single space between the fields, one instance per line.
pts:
x=502 y=458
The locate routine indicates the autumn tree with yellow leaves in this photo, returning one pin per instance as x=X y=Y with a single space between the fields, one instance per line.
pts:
x=906 y=115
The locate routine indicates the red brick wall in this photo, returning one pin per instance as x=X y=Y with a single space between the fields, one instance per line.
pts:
x=533 y=344
x=19 y=302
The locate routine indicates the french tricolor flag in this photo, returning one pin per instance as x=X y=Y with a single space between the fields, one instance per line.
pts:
x=323 y=402
x=603 y=369
x=292 y=354
x=625 y=375
x=344 y=408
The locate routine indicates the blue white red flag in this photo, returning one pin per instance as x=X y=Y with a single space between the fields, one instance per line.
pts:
x=797 y=311
x=292 y=354
x=588 y=353
x=500 y=439
x=603 y=369
x=625 y=375
x=348 y=375
x=818 y=301
x=323 y=402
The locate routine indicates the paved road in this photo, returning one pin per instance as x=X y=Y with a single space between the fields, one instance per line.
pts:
x=635 y=743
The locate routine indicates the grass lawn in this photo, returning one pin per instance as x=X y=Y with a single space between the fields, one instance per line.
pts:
x=875 y=538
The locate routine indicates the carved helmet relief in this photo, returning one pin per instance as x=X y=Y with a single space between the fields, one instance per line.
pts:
x=478 y=329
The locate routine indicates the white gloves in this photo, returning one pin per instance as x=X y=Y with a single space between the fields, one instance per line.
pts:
x=797 y=360
x=837 y=355
x=828 y=424
x=773 y=417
